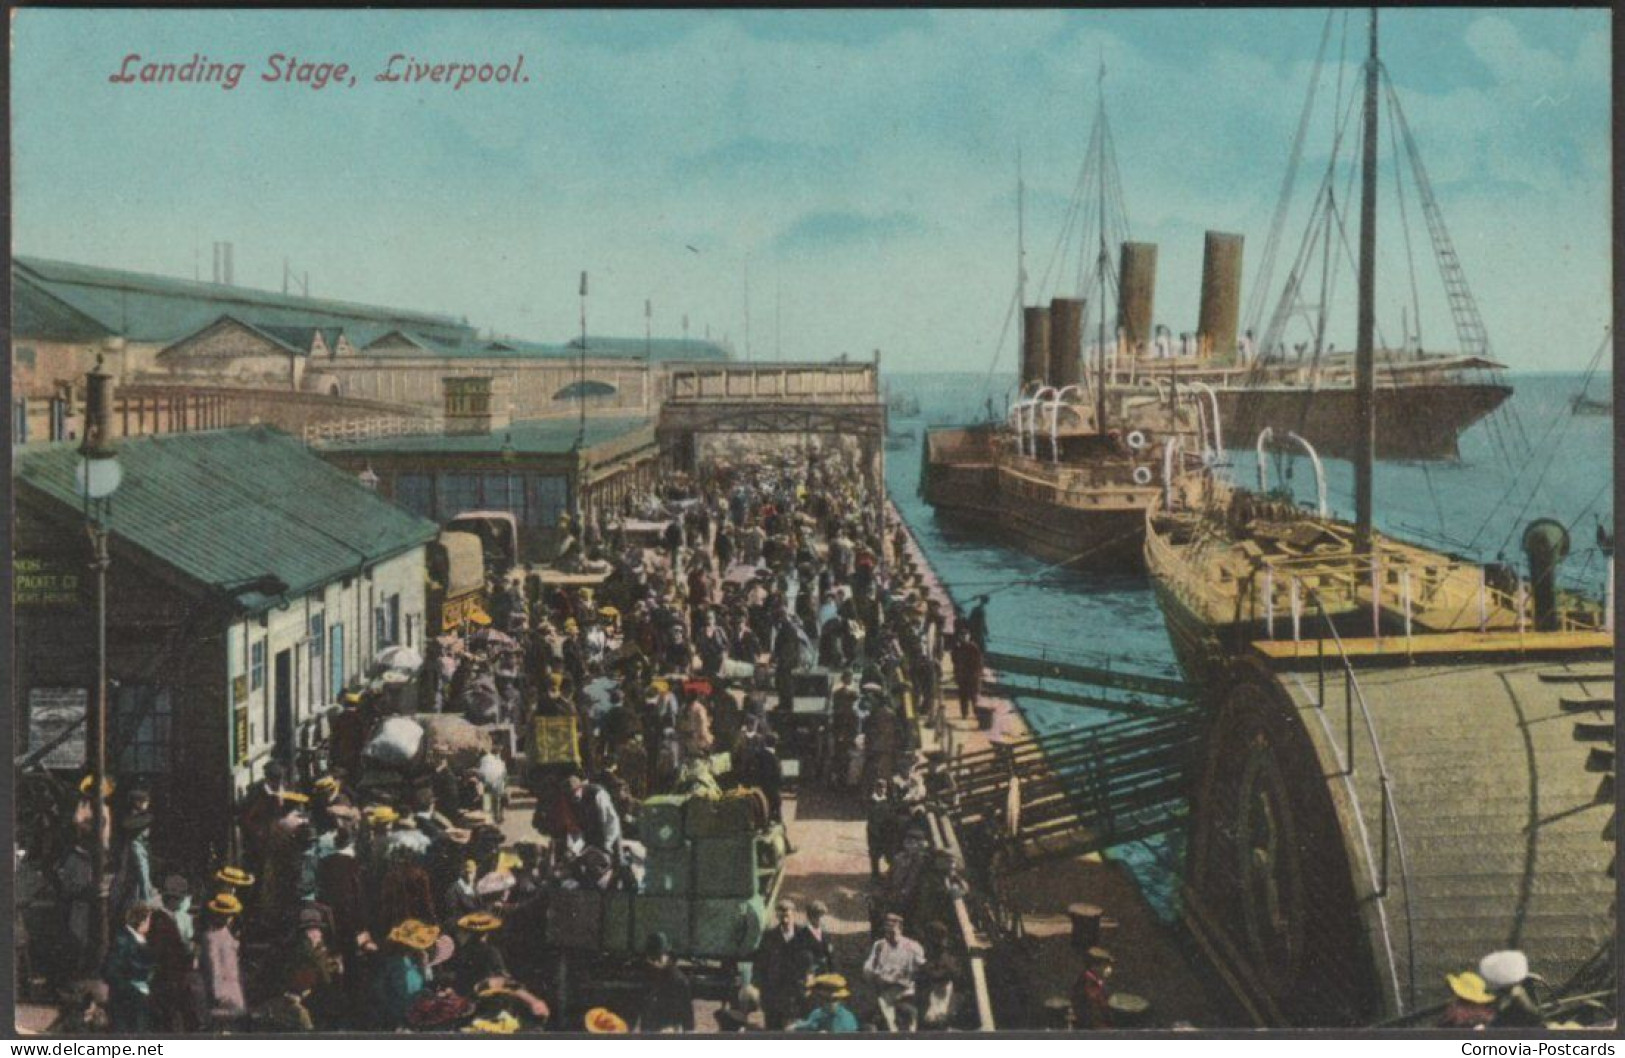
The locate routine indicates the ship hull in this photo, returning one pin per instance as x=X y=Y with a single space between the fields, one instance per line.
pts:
x=1419 y=421
x=968 y=488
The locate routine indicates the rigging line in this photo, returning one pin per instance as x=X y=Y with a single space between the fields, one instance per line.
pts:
x=1263 y=278
x=1556 y=423
x=1004 y=332
x=1586 y=510
x=1404 y=218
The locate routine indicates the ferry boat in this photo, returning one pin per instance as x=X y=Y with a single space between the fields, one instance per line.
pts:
x=1409 y=756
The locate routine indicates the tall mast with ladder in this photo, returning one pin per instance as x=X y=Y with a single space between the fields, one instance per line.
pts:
x=1365 y=355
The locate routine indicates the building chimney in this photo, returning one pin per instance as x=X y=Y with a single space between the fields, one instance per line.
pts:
x=1221 y=294
x=1137 y=292
x=1065 y=341
x=476 y=404
x=1034 y=345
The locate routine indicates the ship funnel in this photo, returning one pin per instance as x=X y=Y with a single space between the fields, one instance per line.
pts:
x=1034 y=345
x=1221 y=294
x=1546 y=543
x=1137 y=292
x=1065 y=341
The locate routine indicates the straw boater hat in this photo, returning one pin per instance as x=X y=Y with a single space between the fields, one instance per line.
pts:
x=226 y=904
x=381 y=815
x=832 y=985
x=479 y=922
x=294 y=797
x=235 y=877
x=602 y=1021
x=1098 y=955
x=326 y=784
x=503 y=1024
x=89 y=781
x=419 y=936
x=1470 y=987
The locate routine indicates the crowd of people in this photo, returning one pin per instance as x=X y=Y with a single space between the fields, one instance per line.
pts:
x=360 y=896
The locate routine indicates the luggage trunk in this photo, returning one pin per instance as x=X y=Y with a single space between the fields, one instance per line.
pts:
x=660 y=822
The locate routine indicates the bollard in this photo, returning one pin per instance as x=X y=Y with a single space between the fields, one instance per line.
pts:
x=1086 y=920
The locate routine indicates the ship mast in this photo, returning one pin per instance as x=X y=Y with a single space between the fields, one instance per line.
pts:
x=1105 y=258
x=1021 y=266
x=1365 y=355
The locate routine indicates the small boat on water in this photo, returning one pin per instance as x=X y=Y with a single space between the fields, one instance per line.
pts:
x=1583 y=404
x=1409 y=755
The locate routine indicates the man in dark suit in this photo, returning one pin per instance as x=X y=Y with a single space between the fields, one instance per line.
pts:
x=819 y=942
x=784 y=961
x=340 y=888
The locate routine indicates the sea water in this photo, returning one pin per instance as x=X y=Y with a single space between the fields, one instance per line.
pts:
x=1536 y=459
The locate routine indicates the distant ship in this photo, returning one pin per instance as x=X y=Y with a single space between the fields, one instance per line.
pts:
x=1404 y=767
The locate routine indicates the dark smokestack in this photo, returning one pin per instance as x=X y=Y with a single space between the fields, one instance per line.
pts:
x=1221 y=293
x=1137 y=292
x=1065 y=341
x=1034 y=344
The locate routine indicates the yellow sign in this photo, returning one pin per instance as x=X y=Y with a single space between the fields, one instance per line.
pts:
x=44 y=582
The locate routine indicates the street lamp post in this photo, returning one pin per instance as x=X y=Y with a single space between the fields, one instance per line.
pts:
x=99 y=475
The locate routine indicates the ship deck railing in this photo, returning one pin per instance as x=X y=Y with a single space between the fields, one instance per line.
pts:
x=1377 y=859
x=1424 y=592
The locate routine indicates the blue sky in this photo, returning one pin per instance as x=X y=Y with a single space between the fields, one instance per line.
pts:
x=859 y=165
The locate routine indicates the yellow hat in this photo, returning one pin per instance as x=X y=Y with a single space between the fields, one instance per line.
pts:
x=508 y=861
x=479 y=617
x=609 y=612
x=294 y=796
x=661 y=686
x=234 y=876
x=352 y=698
x=586 y=593
x=381 y=815
x=414 y=934
x=557 y=678
x=88 y=781
x=571 y=626
x=504 y=1024
x=830 y=984
x=1469 y=986
x=326 y=783
x=602 y=1021
x=226 y=904
x=479 y=922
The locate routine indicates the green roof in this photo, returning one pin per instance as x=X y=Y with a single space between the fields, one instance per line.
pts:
x=528 y=437
x=227 y=506
x=153 y=308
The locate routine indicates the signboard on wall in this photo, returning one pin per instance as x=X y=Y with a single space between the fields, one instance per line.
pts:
x=40 y=582
x=239 y=720
x=51 y=711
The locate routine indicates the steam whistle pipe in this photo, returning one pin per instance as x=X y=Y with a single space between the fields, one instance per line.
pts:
x=1263 y=472
x=1169 y=448
x=1320 y=475
x=1213 y=401
x=1032 y=417
x=1264 y=436
x=1055 y=421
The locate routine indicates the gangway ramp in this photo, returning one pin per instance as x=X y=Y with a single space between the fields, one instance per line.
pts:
x=1118 y=777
